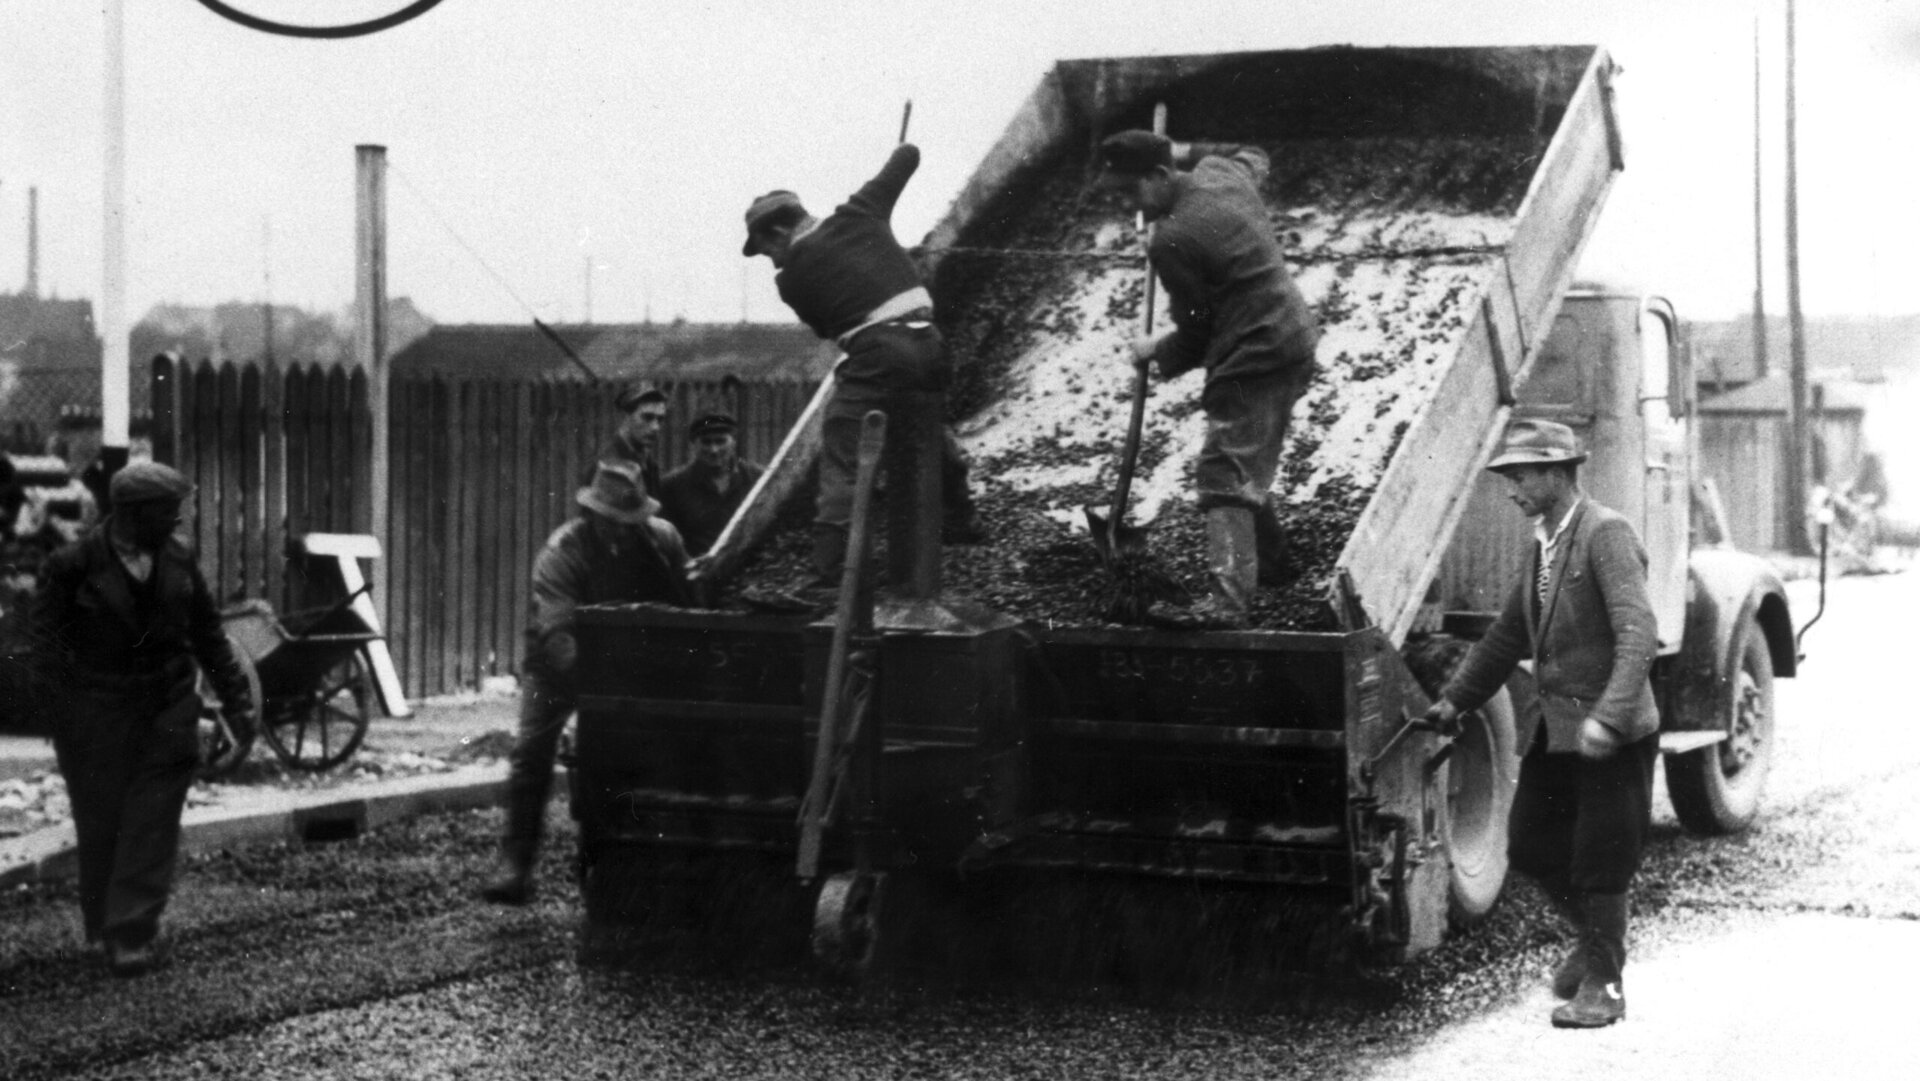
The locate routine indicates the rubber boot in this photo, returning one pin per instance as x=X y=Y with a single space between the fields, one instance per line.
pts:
x=1234 y=564
x=1602 y=998
x=1570 y=905
x=1277 y=568
x=512 y=883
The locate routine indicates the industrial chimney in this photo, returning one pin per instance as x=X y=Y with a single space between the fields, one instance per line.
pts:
x=33 y=242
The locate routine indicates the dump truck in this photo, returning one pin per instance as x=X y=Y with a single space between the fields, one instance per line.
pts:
x=987 y=727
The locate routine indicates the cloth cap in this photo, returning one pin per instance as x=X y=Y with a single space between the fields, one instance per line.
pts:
x=763 y=208
x=619 y=492
x=138 y=482
x=714 y=423
x=1129 y=154
x=633 y=394
x=1537 y=442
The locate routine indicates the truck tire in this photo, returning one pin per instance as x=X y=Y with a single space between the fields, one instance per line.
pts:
x=1480 y=781
x=1716 y=789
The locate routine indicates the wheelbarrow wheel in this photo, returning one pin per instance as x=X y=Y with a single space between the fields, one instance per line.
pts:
x=322 y=728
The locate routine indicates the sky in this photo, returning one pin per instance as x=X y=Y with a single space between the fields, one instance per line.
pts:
x=594 y=157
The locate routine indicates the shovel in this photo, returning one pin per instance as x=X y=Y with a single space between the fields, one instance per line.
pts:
x=1112 y=537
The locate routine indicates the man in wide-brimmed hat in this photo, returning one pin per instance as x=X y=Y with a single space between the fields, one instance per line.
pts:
x=1580 y=612
x=126 y=623
x=699 y=498
x=1238 y=315
x=617 y=551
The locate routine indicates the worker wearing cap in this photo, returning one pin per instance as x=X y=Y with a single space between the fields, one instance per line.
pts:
x=126 y=620
x=846 y=277
x=1237 y=314
x=619 y=551
x=643 y=408
x=1588 y=743
x=700 y=497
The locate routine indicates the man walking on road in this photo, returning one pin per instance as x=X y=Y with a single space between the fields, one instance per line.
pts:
x=1237 y=313
x=125 y=615
x=617 y=551
x=1580 y=814
x=851 y=281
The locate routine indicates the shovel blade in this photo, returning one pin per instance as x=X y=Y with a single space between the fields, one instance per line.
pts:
x=1114 y=539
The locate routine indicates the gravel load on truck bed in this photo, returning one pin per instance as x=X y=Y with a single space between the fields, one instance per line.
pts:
x=1390 y=239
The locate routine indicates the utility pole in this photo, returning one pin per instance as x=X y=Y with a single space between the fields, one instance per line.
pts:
x=1797 y=441
x=1759 y=226
x=370 y=327
x=114 y=378
x=266 y=288
x=33 y=242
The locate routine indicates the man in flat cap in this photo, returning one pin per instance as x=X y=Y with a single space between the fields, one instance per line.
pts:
x=699 y=498
x=619 y=551
x=848 y=278
x=1237 y=313
x=1580 y=612
x=125 y=616
x=643 y=406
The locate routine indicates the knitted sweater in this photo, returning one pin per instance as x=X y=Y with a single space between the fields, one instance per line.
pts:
x=850 y=264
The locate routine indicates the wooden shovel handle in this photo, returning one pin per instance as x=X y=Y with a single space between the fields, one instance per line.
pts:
x=1130 y=452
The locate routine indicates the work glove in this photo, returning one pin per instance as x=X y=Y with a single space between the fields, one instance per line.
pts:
x=1140 y=351
x=1443 y=717
x=1597 y=741
x=561 y=651
x=222 y=751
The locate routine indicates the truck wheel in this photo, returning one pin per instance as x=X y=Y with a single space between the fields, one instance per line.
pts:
x=1480 y=781
x=846 y=923
x=1716 y=789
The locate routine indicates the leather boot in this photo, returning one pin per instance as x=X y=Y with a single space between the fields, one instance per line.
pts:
x=1570 y=905
x=1602 y=998
x=1234 y=564
x=512 y=883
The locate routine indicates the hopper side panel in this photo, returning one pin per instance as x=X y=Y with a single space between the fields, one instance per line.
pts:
x=1397 y=545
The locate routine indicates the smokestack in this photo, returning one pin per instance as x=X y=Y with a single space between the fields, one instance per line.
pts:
x=33 y=242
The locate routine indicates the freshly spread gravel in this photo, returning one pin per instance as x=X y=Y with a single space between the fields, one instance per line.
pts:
x=1391 y=239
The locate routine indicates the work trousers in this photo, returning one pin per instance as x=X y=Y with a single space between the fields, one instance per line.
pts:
x=1579 y=821
x=546 y=701
x=128 y=759
x=1247 y=423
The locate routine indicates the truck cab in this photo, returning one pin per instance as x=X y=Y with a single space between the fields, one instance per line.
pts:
x=1615 y=368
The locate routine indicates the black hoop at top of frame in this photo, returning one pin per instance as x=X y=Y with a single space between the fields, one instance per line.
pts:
x=345 y=30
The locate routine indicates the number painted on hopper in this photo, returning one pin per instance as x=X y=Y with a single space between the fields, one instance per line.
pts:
x=1181 y=668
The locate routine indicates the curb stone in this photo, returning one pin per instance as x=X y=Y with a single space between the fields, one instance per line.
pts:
x=338 y=814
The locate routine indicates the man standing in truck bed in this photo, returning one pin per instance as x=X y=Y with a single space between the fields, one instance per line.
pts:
x=1580 y=611
x=1237 y=312
x=850 y=280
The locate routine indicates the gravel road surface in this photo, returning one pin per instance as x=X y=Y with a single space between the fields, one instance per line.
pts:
x=1769 y=955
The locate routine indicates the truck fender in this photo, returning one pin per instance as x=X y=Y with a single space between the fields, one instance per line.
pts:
x=1725 y=590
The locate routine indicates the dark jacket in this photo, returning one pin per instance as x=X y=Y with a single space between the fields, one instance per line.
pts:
x=688 y=500
x=102 y=630
x=573 y=568
x=1235 y=308
x=850 y=263
x=1592 y=647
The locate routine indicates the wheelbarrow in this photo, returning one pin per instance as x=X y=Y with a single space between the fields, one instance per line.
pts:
x=311 y=682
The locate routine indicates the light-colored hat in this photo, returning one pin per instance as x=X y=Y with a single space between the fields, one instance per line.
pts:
x=618 y=492
x=1537 y=442
x=139 y=482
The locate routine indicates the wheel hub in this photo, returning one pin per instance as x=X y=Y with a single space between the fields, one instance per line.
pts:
x=1743 y=739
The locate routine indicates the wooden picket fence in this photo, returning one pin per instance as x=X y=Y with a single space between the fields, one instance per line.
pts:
x=480 y=472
